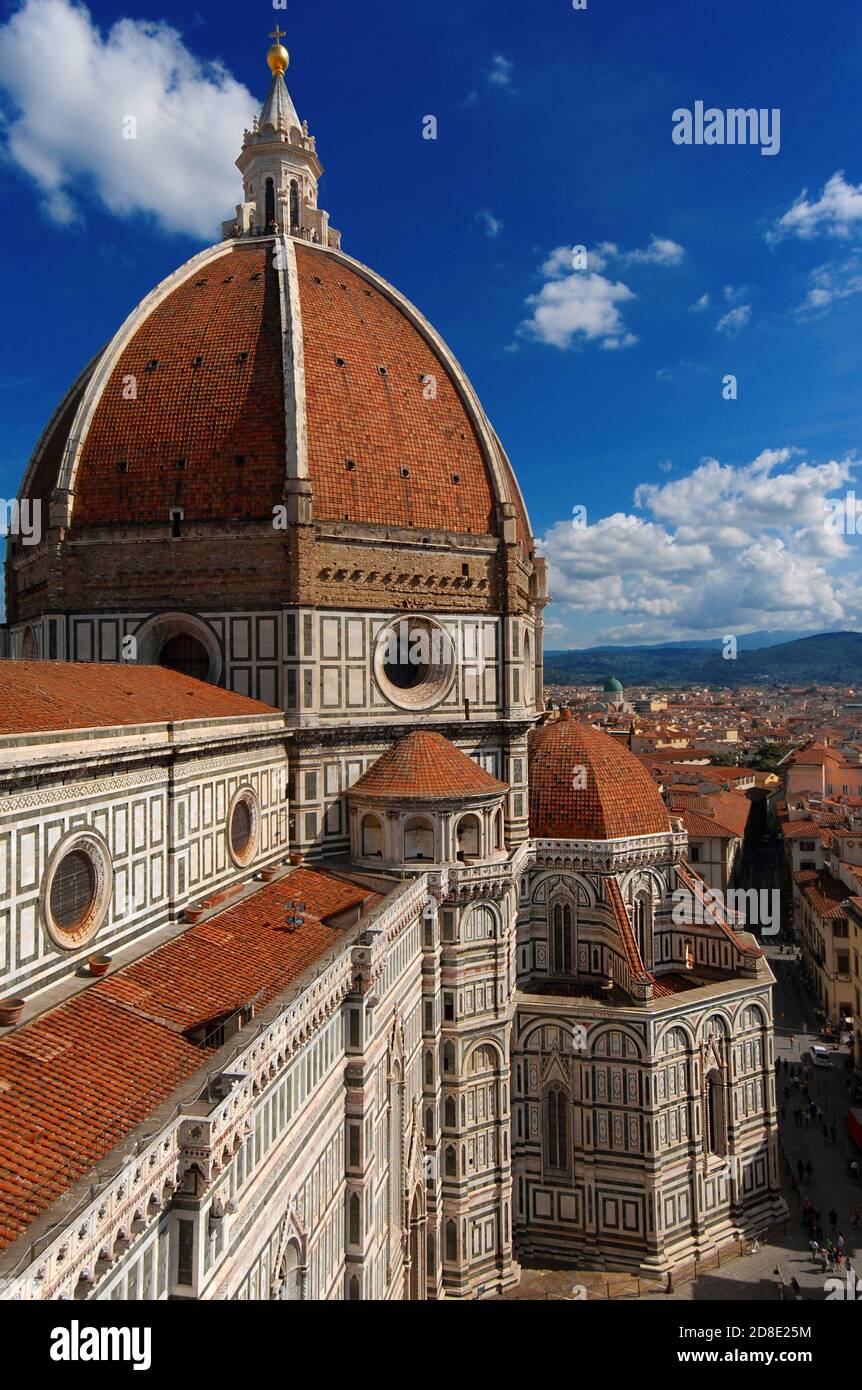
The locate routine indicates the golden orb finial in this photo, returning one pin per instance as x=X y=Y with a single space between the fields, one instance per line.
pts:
x=277 y=56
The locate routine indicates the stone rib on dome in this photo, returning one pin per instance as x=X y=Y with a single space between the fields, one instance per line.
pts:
x=618 y=797
x=426 y=767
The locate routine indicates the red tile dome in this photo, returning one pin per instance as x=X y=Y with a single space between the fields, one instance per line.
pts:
x=426 y=767
x=188 y=406
x=585 y=785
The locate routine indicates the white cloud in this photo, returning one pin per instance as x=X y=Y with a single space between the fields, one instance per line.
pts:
x=578 y=302
x=491 y=225
x=699 y=304
x=65 y=129
x=721 y=549
x=829 y=283
x=734 y=320
x=500 y=72
x=661 y=251
x=837 y=212
x=581 y=304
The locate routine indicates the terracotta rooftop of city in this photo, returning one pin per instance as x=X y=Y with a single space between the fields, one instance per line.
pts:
x=79 y=1078
x=618 y=798
x=53 y=696
x=427 y=767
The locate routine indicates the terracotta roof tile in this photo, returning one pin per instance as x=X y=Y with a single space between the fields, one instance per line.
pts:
x=82 y=1076
x=382 y=421
x=209 y=414
x=48 y=696
x=619 y=797
x=426 y=766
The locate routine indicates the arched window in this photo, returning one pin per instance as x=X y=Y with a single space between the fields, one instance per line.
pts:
x=294 y=206
x=418 y=839
x=469 y=838
x=498 y=830
x=372 y=838
x=269 y=215
x=291 y=1285
x=451 y=1162
x=448 y=1057
x=528 y=671
x=450 y=1113
x=561 y=938
x=716 y=1126
x=187 y=655
x=451 y=1240
x=643 y=927
x=354 y=1219
x=556 y=1128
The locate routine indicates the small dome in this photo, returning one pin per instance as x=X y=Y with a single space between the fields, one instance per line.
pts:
x=426 y=767
x=613 y=686
x=585 y=785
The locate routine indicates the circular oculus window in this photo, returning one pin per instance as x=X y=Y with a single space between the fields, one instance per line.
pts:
x=76 y=891
x=243 y=826
x=414 y=662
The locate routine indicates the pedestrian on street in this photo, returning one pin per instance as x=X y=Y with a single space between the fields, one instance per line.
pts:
x=841 y=1242
x=833 y=1218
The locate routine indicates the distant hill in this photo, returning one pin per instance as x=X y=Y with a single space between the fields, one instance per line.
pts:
x=747 y=642
x=828 y=658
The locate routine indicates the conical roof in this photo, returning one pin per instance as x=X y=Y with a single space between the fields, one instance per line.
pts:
x=278 y=109
x=427 y=767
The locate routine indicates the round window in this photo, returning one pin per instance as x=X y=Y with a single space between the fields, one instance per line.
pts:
x=187 y=655
x=414 y=662
x=242 y=827
x=73 y=891
x=76 y=891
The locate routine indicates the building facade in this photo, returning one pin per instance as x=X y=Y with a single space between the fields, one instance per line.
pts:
x=396 y=961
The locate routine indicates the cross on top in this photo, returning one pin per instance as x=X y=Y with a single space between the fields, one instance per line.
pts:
x=277 y=34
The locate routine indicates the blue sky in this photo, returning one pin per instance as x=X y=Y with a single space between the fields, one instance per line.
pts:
x=703 y=515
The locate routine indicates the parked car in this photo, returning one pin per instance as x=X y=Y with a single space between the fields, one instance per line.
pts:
x=820 y=1056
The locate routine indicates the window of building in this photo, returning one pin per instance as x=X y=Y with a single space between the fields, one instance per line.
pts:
x=184 y=653
x=556 y=1128
x=243 y=826
x=716 y=1128
x=561 y=938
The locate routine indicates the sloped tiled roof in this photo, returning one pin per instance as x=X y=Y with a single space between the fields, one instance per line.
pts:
x=49 y=696
x=700 y=827
x=76 y=1080
x=618 y=799
x=426 y=767
x=827 y=894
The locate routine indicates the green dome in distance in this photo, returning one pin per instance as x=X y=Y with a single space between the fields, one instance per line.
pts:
x=613 y=686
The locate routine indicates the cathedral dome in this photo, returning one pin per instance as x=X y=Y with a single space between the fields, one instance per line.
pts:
x=613 y=686
x=584 y=785
x=267 y=365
